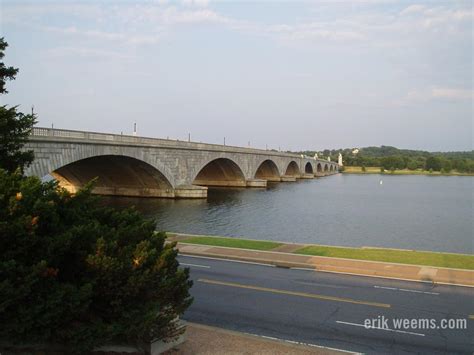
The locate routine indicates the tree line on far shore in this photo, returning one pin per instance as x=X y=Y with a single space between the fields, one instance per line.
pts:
x=391 y=158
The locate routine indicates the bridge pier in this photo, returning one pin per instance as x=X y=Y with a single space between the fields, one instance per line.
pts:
x=133 y=192
x=272 y=178
x=307 y=176
x=220 y=183
x=190 y=191
x=287 y=178
x=256 y=183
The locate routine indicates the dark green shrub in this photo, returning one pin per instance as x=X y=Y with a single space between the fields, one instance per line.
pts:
x=75 y=273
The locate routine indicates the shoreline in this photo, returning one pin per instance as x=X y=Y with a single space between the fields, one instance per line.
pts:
x=376 y=170
x=373 y=254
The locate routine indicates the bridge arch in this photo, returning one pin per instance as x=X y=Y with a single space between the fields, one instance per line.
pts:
x=220 y=172
x=115 y=175
x=326 y=168
x=308 y=168
x=62 y=154
x=293 y=169
x=267 y=170
x=319 y=168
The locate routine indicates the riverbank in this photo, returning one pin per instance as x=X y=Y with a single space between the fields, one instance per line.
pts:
x=377 y=170
x=399 y=256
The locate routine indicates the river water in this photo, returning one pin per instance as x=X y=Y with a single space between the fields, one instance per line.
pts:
x=410 y=212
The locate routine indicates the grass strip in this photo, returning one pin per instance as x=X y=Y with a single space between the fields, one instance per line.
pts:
x=232 y=243
x=458 y=261
x=376 y=170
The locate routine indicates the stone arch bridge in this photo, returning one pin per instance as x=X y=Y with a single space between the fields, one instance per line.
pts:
x=151 y=167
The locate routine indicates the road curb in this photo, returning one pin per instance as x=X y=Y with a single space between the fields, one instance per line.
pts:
x=353 y=267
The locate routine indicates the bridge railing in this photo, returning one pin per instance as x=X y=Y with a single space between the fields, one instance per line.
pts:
x=50 y=132
x=42 y=132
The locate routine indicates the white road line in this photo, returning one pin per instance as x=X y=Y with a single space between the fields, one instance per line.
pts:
x=406 y=290
x=222 y=259
x=195 y=265
x=382 y=277
x=386 y=329
x=386 y=288
x=319 y=284
x=303 y=268
x=425 y=292
x=304 y=344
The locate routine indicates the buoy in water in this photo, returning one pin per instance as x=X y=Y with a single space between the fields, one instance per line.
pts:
x=381 y=182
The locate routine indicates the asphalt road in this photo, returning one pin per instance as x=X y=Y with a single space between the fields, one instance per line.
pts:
x=329 y=309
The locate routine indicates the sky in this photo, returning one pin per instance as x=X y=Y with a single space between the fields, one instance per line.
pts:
x=306 y=75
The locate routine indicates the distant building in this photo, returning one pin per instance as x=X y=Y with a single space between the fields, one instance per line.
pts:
x=355 y=151
x=339 y=159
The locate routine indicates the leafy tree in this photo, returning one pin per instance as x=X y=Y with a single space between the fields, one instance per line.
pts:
x=433 y=163
x=15 y=126
x=393 y=161
x=412 y=165
x=6 y=73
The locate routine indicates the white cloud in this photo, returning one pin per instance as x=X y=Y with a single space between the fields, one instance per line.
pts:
x=455 y=94
x=200 y=3
x=124 y=38
x=438 y=93
x=412 y=9
x=147 y=23
x=438 y=18
x=174 y=16
x=312 y=31
x=87 y=53
x=72 y=30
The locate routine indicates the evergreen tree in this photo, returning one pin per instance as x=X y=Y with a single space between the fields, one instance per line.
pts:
x=15 y=126
x=6 y=73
